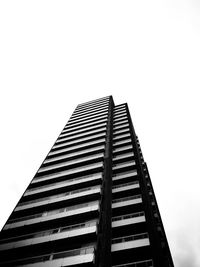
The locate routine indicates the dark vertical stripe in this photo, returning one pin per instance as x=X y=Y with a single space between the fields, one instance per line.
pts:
x=103 y=257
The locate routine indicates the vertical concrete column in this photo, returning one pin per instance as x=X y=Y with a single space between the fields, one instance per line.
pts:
x=103 y=257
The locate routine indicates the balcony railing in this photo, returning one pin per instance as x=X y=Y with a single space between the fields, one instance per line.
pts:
x=63 y=183
x=129 y=238
x=125 y=199
x=57 y=196
x=128 y=216
x=52 y=212
x=124 y=185
x=50 y=256
x=50 y=232
x=146 y=263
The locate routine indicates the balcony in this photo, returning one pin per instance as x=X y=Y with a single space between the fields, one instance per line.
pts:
x=82 y=108
x=77 y=154
x=94 y=102
x=90 y=118
x=84 y=130
x=130 y=242
x=145 y=263
x=127 y=219
x=63 y=197
x=74 y=171
x=89 y=115
x=90 y=108
x=120 y=114
x=71 y=163
x=78 y=141
x=83 y=256
x=123 y=156
x=119 y=136
x=117 y=127
x=126 y=201
x=125 y=187
x=125 y=175
x=94 y=114
x=122 y=165
x=71 y=126
x=82 y=231
x=61 y=185
x=121 y=149
x=116 y=132
x=77 y=147
x=120 y=123
x=60 y=215
x=88 y=125
x=78 y=115
x=77 y=136
x=120 y=143
x=49 y=231
x=119 y=109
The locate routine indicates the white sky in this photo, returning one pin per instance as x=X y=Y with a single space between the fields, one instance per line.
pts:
x=57 y=54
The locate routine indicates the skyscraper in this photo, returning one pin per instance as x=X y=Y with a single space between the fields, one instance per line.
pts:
x=91 y=203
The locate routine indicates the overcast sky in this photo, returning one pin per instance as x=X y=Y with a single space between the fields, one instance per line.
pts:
x=57 y=54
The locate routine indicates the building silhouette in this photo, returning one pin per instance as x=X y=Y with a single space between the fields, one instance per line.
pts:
x=91 y=203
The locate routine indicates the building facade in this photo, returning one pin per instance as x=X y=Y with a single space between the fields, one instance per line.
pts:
x=91 y=203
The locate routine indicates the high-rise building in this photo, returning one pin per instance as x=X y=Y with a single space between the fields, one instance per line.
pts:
x=91 y=203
